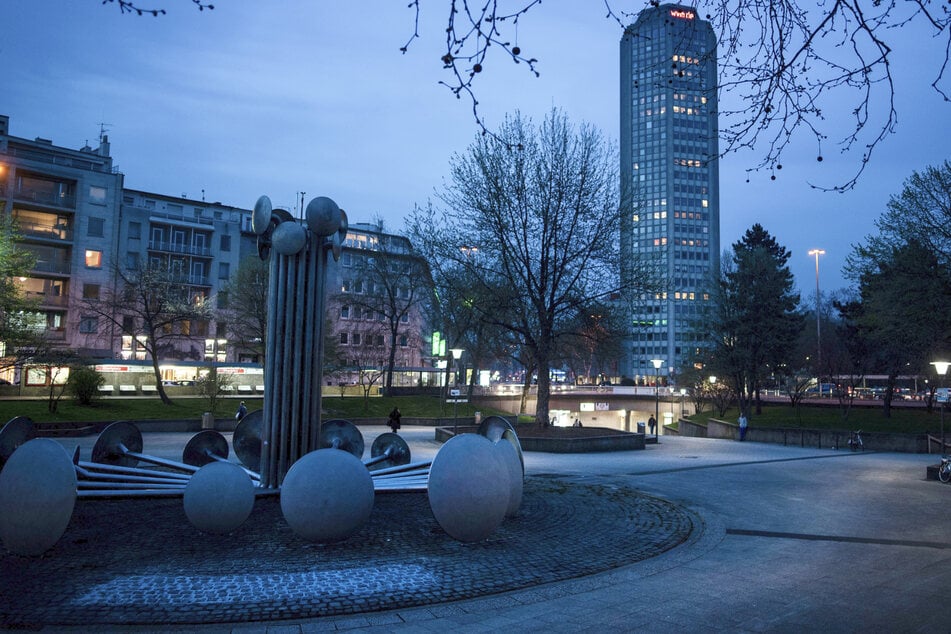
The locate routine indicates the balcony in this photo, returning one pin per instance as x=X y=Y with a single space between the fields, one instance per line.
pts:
x=45 y=197
x=56 y=268
x=192 y=280
x=178 y=248
x=46 y=300
x=43 y=231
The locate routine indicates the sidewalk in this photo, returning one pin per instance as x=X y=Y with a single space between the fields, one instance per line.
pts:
x=783 y=539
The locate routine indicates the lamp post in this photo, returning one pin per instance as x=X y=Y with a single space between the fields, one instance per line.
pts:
x=456 y=355
x=683 y=398
x=817 y=253
x=657 y=363
x=941 y=368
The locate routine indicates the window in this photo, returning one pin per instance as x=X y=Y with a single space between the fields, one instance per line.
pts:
x=132 y=260
x=224 y=270
x=404 y=318
x=135 y=230
x=222 y=300
x=345 y=312
x=95 y=227
x=93 y=259
x=403 y=341
x=88 y=325
x=355 y=339
x=344 y=337
x=97 y=195
x=128 y=323
x=225 y=242
x=90 y=291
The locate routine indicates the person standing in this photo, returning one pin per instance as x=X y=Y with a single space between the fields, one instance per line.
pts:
x=242 y=411
x=651 y=424
x=743 y=425
x=394 y=419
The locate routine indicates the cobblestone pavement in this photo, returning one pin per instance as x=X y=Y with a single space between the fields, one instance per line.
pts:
x=777 y=539
x=139 y=561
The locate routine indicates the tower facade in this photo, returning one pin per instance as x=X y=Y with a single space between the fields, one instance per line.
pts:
x=670 y=227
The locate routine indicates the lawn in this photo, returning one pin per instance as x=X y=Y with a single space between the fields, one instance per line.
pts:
x=183 y=408
x=903 y=419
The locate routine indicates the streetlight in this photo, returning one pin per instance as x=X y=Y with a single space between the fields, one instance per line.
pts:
x=683 y=398
x=657 y=363
x=941 y=368
x=817 y=253
x=456 y=355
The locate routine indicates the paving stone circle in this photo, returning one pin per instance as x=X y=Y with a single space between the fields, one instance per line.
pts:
x=139 y=561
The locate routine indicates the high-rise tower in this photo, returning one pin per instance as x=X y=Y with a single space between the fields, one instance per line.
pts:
x=670 y=223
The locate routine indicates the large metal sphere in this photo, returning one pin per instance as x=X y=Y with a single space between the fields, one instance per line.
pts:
x=510 y=459
x=469 y=487
x=323 y=216
x=37 y=496
x=327 y=495
x=218 y=498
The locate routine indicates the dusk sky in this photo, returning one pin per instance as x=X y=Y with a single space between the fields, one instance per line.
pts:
x=280 y=98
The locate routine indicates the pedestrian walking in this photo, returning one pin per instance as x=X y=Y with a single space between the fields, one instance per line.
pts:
x=242 y=411
x=651 y=424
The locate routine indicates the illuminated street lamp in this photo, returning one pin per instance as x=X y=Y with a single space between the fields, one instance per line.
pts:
x=657 y=363
x=941 y=368
x=456 y=355
x=817 y=253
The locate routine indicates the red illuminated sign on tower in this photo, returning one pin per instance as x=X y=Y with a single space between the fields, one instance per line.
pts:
x=682 y=14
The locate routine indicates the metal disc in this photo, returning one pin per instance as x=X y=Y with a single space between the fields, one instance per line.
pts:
x=496 y=428
x=17 y=431
x=346 y=435
x=344 y=225
x=289 y=238
x=201 y=444
x=246 y=440
x=323 y=216
x=107 y=449
x=399 y=453
x=336 y=247
x=261 y=216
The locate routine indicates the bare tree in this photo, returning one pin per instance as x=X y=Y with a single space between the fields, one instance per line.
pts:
x=153 y=309
x=532 y=215
x=242 y=304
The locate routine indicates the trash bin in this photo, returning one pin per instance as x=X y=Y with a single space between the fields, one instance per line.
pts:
x=208 y=420
x=477 y=418
x=641 y=427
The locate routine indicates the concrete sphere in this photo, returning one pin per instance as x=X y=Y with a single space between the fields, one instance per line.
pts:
x=469 y=487
x=37 y=496
x=509 y=457
x=327 y=495
x=289 y=238
x=323 y=216
x=219 y=497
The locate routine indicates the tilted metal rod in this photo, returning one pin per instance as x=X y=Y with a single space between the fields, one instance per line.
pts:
x=108 y=468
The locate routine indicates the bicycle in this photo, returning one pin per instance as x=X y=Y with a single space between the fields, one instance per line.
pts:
x=944 y=470
x=855 y=441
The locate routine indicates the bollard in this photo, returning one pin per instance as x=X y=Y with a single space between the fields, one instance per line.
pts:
x=208 y=420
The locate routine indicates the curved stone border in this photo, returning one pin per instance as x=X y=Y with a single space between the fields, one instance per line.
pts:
x=140 y=562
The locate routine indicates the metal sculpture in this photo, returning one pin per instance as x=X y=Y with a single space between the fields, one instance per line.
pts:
x=290 y=426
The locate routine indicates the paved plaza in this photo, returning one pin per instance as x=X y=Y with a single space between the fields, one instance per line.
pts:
x=705 y=535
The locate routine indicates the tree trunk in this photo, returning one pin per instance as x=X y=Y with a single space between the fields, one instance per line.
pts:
x=158 y=381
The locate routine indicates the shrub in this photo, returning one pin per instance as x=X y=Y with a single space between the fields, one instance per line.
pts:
x=83 y=384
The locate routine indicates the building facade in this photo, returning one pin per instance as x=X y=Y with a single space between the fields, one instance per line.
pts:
x=84 y=227
x=65 y=204
x=378 y=295
x=669 y=184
